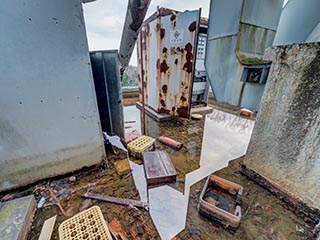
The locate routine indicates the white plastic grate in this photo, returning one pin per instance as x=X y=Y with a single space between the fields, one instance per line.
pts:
x=88 y=225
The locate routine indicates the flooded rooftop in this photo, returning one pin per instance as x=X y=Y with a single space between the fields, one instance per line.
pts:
x=209 y=145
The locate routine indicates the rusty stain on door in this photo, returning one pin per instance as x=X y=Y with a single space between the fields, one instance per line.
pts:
x=166 y=60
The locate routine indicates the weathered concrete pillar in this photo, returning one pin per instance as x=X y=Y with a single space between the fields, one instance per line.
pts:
x=285 y=144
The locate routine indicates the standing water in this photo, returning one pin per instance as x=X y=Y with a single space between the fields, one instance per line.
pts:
x=209 y=145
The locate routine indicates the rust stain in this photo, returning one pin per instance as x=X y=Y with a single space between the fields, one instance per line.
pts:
x=162 y=33
x=183 y=112
x=193 y=26
x=176 y=61
x=189 y=56
x=163 y=110
x=188 y=47
x=162 y=103
x=173 y=21
x=158 y=63
x=164 y=50
x=188 y=67
x=164 y=67
x=165 y=88
x=158 y=26
x=173 y=109
x=183 y=99
x=144 y=46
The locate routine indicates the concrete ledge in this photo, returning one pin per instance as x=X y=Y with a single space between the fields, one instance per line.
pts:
x=153 y=114
x=294 y=203
x=201 y=110
x=43 y=166
x=16 y=218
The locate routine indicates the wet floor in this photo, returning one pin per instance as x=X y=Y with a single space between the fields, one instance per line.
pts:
x=209 y=144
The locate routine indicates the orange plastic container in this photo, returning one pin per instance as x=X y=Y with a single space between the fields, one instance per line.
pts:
x=220 y=200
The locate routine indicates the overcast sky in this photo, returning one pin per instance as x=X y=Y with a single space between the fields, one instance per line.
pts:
x=104 y=20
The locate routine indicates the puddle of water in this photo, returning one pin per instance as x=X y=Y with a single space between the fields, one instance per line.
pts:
x=209 y=145
x=132 y=119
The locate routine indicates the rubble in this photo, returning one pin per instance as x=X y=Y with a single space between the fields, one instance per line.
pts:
x=122 y=166
x=117 y=230
x=121 y=201
x=41 y=202
x=72 y=179
x=170 y=142
x=247 y=113
x=196 y=116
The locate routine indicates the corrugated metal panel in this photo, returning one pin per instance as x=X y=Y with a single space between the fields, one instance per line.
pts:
x=262 y=13
x=166 y=59
x=297 y=21
x=224 y=18
x=106 y=74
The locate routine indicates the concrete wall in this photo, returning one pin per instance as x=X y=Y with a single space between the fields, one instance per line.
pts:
x=49 y=121
x=238 y=27
x=298 y=19
x=284 y=146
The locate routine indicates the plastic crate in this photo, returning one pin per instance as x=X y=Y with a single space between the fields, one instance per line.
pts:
x=215 y=209
x=88 y=224
x=142 y=144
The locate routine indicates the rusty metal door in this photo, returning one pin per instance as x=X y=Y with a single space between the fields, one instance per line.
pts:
x=166 y=58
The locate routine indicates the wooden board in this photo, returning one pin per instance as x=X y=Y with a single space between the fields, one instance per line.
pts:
x=121 y=201
x=122 y=166
x=158 y=167
x=47 y=228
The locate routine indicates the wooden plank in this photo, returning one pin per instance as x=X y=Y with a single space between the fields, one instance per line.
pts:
x=158 y=167
x=47 y=228
x=117 y=230
x=121 y=201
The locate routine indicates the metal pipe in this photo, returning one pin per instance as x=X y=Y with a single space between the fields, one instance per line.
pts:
x=136 y=12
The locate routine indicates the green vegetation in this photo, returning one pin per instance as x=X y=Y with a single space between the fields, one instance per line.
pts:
x=130 y=77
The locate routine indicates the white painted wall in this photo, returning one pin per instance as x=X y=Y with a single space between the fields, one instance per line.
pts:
x=298 y=19
x=49 y=121
x=257 y=21
x=314 y=35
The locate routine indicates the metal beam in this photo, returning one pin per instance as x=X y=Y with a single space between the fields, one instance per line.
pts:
x=136 y=12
